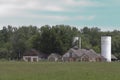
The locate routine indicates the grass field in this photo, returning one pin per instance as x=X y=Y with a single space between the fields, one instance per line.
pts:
x=59 y=71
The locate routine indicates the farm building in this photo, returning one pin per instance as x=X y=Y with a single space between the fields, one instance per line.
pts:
x=54 y=57
x=76 y=54
x=113 y=58
x=33 y=55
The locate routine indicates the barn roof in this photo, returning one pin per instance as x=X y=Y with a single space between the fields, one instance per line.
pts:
x=31 y=52
x=91 y=53
x=79 y=52
x=54 y=55
x=113 y=57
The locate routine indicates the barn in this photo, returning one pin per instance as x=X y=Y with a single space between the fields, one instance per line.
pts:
x=82 y=55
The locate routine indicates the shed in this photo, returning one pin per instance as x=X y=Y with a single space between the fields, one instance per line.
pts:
x=31 y=55
x=54 y=57
x=113 y=58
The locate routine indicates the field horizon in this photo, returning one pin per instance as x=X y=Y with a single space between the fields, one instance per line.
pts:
x=59 y=71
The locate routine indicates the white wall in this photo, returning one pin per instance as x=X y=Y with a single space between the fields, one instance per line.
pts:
x=25 y=58
x=106 y=47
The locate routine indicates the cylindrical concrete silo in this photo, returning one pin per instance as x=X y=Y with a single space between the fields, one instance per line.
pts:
x=106 y=47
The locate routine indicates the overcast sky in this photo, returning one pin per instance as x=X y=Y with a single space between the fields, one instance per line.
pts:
x=104 y=14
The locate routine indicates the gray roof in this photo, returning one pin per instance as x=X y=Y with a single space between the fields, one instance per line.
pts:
x=113 y=57
x=54 y=55
x=68 y=54
x=91 y=53
x=79 y=52
x=31 y=52
x=74 y=53
x=101 y=56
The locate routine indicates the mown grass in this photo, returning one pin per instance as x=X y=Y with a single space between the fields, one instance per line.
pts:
x=59 y=71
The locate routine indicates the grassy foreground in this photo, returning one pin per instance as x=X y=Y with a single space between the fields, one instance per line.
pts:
x=59 y=71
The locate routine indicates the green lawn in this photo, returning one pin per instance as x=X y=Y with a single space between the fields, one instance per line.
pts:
x=59 y=71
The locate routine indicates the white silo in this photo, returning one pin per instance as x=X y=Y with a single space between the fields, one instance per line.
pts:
x=106 y=47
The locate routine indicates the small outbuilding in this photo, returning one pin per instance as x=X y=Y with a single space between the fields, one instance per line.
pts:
x=31 y=55
x=54 y=57
x=113 y=58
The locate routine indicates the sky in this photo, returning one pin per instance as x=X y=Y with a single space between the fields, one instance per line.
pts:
x=104 y=14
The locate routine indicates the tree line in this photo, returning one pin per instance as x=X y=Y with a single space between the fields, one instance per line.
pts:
x=14 y=41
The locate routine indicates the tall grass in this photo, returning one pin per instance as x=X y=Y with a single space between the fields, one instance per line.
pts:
x=59 y=71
